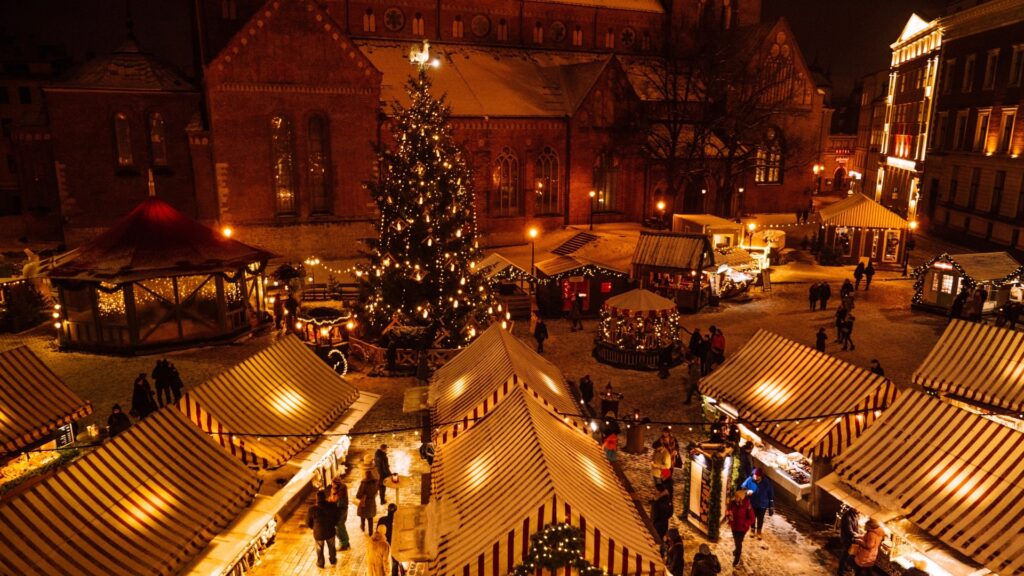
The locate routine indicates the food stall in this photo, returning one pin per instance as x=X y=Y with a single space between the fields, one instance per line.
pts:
x=636 y=329
x=858 y=227
x=940 y=280
x=782 y=394
x=962 y=519
x=737 y=270
x=680 y=267
x=723 y=233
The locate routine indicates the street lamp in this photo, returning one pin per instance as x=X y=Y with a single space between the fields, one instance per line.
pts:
x=908 y=246
x=750 y=228
x=593 y=195
x=818 y=169
x=661 y=211
x=532 y=233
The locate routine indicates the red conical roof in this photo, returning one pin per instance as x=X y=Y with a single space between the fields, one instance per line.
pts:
x=155 y=240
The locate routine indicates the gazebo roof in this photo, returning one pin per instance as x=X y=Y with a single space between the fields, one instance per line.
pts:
x=155 y=240
x=639 y=302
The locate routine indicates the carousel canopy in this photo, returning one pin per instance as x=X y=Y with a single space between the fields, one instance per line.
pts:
x=483 y=373
x=33 y=400
x=955 y=475
x=803 y=399
x=519 y=469
x=859 y=211
x=285 y=392
x=640 y=302
x=977 y=362
x=155 y=240
x=673 y=251
x=143 y=503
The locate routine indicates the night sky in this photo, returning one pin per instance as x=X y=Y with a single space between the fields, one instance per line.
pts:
x=850 y=37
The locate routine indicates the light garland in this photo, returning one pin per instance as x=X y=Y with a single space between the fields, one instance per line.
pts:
x=556 y=546
x=639 y=333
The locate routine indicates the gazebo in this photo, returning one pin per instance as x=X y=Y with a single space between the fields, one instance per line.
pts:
x=635 y=330
x=157 y=280
x=858 y=227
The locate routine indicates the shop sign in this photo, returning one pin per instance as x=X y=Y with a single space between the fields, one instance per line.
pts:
x=576 y=279
x=65 y=435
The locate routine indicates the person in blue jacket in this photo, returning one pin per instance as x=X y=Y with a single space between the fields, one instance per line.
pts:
x=762 y=498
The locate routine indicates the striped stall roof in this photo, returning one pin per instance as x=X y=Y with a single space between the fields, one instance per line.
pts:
x=773 y=378
x=674 y=251
x=33 y=400
x=956 y=475
x=143 y=503
x=977 y=362
x=480 y=376
x=861 y=212
x=520 y=469
x=285 y=392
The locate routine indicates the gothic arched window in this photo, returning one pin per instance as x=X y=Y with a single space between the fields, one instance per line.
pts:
x=506 y=181
x=547 y=185
x=123 y=140
x=769 y=159
x=157 y=139
x=283 y=156
x=319 y=165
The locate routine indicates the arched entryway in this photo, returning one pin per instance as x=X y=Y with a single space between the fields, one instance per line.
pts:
x=839 y=180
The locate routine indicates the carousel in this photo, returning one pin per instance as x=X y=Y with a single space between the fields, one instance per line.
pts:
x=639 y=330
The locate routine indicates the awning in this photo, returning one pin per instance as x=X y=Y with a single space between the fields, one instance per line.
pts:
x=143 y=503
x=33 y=400
x=859 y=211
x=522 y=468
x=956 y=475
x=802 y=399
x=267 y=408
x=640 y=302
x=978 y=362
x=477 y=379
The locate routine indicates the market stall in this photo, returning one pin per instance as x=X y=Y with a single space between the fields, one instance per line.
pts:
x=476 y=380
x=946 y=484
x=942 y=278
x=285 y=392
x=978 y=367
x=511 y=283
x=738 y=270
x=677 y=266
x=324 y=326
x=723 y=233
x=590 y=266
x=798 y=406
x=637 y=330
x=145 y=502
x=858 y=227
x=518 y=470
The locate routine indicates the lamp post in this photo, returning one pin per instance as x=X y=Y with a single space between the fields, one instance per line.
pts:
x=906 y=247
x=818 y=169
x=532 y=233
x=593 y=195
x=661 y=212
x=750 y=228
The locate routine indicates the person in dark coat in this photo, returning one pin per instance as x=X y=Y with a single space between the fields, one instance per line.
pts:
x=142 y=398
x=380 y=461
x=661 y=511
x=366 y=494
x=746 y=461
x=162 y=381
x=540 y=334
x=176 y=384
x=841 y=314
x=339 y=496
x=956 y=310
x=846 y=289
x=824 y=293
x=692 y=377
x=876 y=367
x=858 y=275
x=813 y=294
x=118 y=421
x=705 y=563
x=586 y=389
x=695 y=342
x=323 y=519
x=849 y=525
x=291 y=308
x=576 y=314
x=869 y=273
x=278 y=312
x=761 y=494
x=674 y=556
x=848 y=332
x=820 y=339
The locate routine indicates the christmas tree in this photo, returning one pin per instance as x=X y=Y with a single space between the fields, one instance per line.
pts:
x=423 y=265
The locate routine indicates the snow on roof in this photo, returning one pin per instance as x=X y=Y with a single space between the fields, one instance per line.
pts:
x=637 y=5
x=986 y=265
x=492 y=81
x=127 y=68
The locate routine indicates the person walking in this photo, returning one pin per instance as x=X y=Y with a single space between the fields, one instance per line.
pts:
x=841 y=314
x=323 y=519
x=611 y=444
x=339 y=496
x=846 y=289
x=824 y=293
x=143 y=403
x=867 y=548
x=117 y=422
x=162 y=382
x=388 y=522
x=695 y=342
x=586 y=389
x=869 y=273
x=820 y=339
x=692 y=377
x=956 y=310
x=675 y=559
x=849 y=528
x=661 y=511
x=814 y=294
x=746 y=461
x=366 y=495
x=740 y=515
x=378 y=554
x=176 y=384
x=761 y=494
x=705 y=563
x=876 y=367
x=380 y=462
x=848 y=332
x=672 y=445
x=717 y=348
x=661 y=467
x=858 y=275
x=576 y=314
x=540 y=334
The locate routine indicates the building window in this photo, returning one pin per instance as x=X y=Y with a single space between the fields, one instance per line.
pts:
x=1006 y=130
x=981 y=131
x=954 y=184
x=972 y=193
x=538 y=33
x=947 y=75
x=768 y=169
x=284 y=164
x=547 y=185
x=123 y=140
x=506 y=180
x=5 y=96
x=503 y=30
x=968 y=80
x=157 y=139
x=577 y=36
x=991 y=63
x=369 y=21
x=319 y=165
x=458 y=27
x=1017 y=65
x=417 y=24
x=609 y=39
x=997 y=192
x=960 y=130
x=229 y=9
x=941 y=129
x=606 y=172
x=24 y=95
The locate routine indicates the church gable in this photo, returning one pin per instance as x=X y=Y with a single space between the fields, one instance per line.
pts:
x=291 y=42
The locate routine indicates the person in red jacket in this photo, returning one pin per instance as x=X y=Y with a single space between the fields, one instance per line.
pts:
x=740 y=515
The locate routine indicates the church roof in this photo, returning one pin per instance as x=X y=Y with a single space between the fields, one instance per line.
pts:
x=636 y=5
x=127 y=68
x=155 y=240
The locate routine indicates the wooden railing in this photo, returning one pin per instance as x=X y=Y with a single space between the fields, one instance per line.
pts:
x=404 y=357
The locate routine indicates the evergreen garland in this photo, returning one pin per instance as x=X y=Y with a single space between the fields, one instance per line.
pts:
x=556 y=546
x=715 y=506
x=687 y=465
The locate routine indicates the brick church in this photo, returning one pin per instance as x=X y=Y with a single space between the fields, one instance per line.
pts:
x=276 y=139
